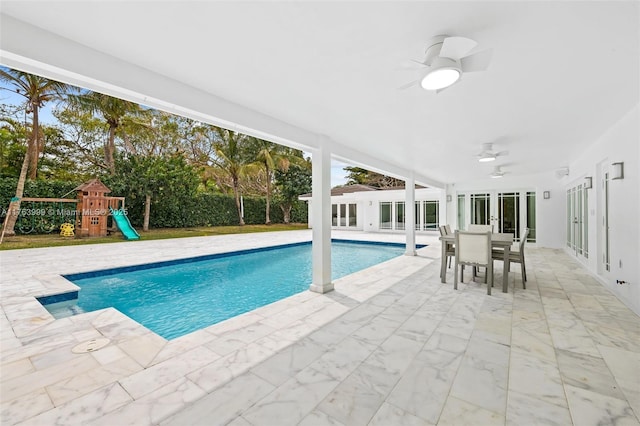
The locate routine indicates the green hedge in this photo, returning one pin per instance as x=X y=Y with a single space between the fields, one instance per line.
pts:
x=179 y=211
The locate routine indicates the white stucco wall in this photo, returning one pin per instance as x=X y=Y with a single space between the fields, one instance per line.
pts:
x=619 y=143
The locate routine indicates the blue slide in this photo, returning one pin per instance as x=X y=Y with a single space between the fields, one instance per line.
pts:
x=122 y=221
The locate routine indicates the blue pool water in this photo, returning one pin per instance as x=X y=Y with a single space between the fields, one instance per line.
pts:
x=176 y=298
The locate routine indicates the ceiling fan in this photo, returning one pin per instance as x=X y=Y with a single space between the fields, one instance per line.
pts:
x=446 y=59
x=488 y=154
x=497 y=172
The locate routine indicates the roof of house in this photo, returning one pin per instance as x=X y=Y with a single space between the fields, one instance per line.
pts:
x=93 y=185
x=347 y=189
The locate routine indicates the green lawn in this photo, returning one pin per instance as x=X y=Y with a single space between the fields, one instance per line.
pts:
x=55 y=240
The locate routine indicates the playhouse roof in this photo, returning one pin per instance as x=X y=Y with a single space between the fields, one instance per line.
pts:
x=93 y=185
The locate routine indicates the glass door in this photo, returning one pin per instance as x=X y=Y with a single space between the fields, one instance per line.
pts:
x=508 y=212
x=508 y=216
x=577 y=220
x=481 y=209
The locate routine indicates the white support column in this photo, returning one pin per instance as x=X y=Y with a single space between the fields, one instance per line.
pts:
x=321 y=221
x=410 y=215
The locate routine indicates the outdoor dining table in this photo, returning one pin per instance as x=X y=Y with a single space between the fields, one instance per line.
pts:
x=498 y=240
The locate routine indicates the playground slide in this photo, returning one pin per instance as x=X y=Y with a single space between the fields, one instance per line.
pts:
x=122 y=221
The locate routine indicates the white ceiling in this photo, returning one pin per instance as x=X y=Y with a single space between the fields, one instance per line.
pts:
x=562 y=72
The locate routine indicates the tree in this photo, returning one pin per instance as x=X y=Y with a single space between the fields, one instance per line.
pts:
x=169 y=179
x=12 y=148
x=117 y=113
x=358 y=175
x=273 y=157
x=232 y=159
x=37 y=91
x=291 y=184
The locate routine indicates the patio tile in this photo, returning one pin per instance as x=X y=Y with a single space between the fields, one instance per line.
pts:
x=152 y=378
x=526 y=410
x=457 y=412
x=81 y=384
x=25 y=407
x=85 y=408
x=293 y=400
x=590 y=408
x=389 y=414
x=391 y=345
x=155 y=406
x=224 y=404
x=534 y=377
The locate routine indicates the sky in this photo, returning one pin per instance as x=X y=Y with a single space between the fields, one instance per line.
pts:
x=8 y=96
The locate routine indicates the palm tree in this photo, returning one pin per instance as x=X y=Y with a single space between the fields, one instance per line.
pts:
x=272 y=157
x=116 y=112
x=37 y=91
x=232 y=159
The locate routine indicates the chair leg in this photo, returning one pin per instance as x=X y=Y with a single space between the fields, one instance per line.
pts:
x=524 y=269
x=455 y=276
x=524 y=275
x=490 y=277
x=449 y=262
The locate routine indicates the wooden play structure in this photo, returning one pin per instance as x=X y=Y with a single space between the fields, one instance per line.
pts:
x=94 y=209
x=91 y=214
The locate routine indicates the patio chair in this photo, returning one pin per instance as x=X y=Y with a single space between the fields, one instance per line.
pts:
x=515 y=256
x=450 y=247
x=473 y=248
x=480 y=228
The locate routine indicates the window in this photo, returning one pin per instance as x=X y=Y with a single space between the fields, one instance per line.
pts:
x=481 y=209
x=461 y=211
x=400 y=215
x=585 y=223
x=509 y=213
x=531 y=216
x=417 y=215
x=577 y=223
x=352 y=215
x=431 y=214
x=343 y=215
x=569 y=239
x=385 y=215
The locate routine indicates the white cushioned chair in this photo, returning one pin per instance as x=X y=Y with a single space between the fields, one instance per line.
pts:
x=473 y=248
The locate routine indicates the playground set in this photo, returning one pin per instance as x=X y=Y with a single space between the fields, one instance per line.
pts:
x=95 y=215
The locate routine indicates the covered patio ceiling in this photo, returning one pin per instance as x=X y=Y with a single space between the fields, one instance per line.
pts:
x=312 y=74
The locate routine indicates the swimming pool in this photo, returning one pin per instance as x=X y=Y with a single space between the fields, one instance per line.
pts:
x=177 y=297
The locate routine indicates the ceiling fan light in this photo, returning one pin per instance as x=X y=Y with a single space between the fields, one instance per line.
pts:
x=440 y=78
x=486 y=158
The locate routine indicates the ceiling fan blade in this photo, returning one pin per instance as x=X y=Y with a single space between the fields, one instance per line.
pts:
x=457 y=47
x=476 y=62
x=412 y=65
x=406 y=86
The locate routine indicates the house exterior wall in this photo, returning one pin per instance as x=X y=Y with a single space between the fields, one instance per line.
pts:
x=368 y=205
x=621 y=142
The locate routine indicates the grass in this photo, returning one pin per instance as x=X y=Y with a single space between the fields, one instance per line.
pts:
x=55 y=240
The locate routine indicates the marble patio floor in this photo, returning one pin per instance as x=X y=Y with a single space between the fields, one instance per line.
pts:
x=390 y=346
